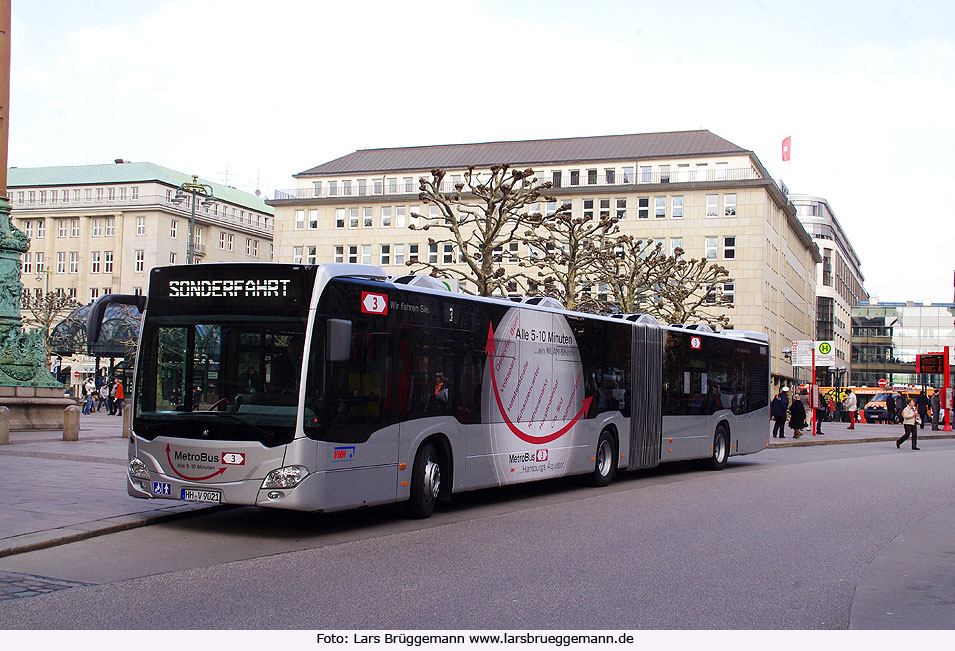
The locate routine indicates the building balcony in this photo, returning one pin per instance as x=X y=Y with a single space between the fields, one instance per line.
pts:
x=619 y=182
x=206 y=213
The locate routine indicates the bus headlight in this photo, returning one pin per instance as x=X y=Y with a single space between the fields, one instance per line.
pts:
x=138 y=469
x=287 y=477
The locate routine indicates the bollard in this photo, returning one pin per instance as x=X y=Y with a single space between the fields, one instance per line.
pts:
x=127 y=420
x=71 y=423
x=4 y=425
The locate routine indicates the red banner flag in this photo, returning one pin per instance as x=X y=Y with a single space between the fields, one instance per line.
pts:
x=786 y=143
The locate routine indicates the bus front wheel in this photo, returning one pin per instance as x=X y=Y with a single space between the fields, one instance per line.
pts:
x=721 y=449
x=425 y=482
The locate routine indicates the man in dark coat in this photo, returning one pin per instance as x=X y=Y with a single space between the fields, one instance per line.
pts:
x=936 y=403
x=778 y=410
x=797 y=417
x=921 y=404
x=889 y=408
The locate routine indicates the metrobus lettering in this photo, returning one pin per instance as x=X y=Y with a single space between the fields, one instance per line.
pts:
x=275 y=287
x=201 y=457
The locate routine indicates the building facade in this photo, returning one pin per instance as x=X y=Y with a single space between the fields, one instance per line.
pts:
x=886 y=337
x=99 y=229
x=692 y=190
x=839 y=283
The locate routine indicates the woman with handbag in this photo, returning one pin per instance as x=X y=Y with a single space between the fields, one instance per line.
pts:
x=910 y=418
x=797 y=417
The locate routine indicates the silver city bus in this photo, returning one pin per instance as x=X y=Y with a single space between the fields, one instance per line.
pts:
x=330 y=387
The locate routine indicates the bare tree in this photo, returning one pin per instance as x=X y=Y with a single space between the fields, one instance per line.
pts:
x=633 y=270
x=692 y=290
x=45 y=311
x=479 y=216
x=565 y=250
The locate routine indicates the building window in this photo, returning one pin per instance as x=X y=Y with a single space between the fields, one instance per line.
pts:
x=62 y=227
x=575 y=177
x=621 y=209
x=55 y=196
x=94 y=293
x=676 y=207
x=316 y=188
x=40 y=263
x=99 y=194
x=353 y=218
x=683 y=172
x=409 y=184
x=588 y=209
x=339 y=253
x=646 y=174
x=300 y=220
x=172 y=257
x=346 y=188
x=20 y=196
x=27 y=263
x=107 y=263
x=333 y=188
x=140 y=226
x=230 y=242
x=729 y=248
x=173 y=224
x=729 y=292
x=412 y=252
x=433 y=253
x=61 y=262
x=94 y=262
x=712 y=205
x=643 y=207
x=368 y=219
x=393 y=185
x=110 y=225
x=400 y=216
x=40 y=229
x=134 y=193
x=664 y=174
x=513 y=248
x=399 y=254
x=248 y=246
x=721 y=171
x=313 y=219
x=659 y=207
x=28 y=229
x=312 y=254
x=448 y=254
x=610 y=176
x=385 y=254
x=386 y=216
x=222 y=240
x=111 y=194
x=710 y=248
x=140 y=260
x=74 y=228
x=729 y=205
x=675 y=243
x=74 y=262
x=362 y=187
x=702 y=172
x=555 y=179
x=591 y=177
x=255 y=248
x=366 y=254
x=353 y=254
x=339 y=218
x=297 y=255
x=377 y=186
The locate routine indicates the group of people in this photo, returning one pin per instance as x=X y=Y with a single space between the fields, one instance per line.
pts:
x=914 y=412
x=109 y=393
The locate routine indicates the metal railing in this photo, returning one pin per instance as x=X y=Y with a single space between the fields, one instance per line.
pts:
x=205 y=212
x=639 y=178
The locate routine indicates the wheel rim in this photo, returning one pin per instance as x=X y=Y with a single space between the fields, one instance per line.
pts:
x=604 y=458
x=720 y=452
x=432 y=478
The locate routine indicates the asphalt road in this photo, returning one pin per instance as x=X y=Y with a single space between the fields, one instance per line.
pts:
x=779 y=539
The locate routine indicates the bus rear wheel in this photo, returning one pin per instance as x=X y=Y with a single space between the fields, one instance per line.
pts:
x=721 y=449
x=425 y=482
x=605 y=462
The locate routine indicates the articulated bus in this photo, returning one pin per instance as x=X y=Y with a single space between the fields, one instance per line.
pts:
x=331 y=387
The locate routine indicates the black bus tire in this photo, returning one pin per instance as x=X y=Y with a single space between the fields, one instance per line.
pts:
x=721 y=449
x=605 y=461
x=425 y=482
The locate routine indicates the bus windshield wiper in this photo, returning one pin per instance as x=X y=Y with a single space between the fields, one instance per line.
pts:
x=223 y=414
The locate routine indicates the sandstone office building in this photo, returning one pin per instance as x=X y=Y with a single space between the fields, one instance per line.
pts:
x=689 y=189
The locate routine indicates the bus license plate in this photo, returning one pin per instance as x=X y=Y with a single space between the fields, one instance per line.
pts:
x=194 y=495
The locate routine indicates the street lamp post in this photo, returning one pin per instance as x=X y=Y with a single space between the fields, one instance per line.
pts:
x=195 y=188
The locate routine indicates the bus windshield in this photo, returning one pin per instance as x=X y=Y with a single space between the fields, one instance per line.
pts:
x=220 y=378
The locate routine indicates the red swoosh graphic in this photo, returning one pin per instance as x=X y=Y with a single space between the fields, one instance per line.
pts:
x=173 y=468
x=491 y=350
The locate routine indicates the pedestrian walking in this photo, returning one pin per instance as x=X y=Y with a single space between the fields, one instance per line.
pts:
x=821 y=410
x=909 y=419
x=88 y=391
x=103 y=396
x=900 y=402
x=921 y=404
x=797 y=417
x=890 y=411
x=852 y=406
x=935 y=402
x=118 y=397
x=777 y=412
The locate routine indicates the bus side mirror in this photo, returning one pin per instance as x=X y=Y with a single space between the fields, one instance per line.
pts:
x=338 y=340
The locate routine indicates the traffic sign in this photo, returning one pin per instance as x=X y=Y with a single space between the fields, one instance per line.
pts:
x=825 y=353
x=930 y=363
x=883 y=383
x=802 y=353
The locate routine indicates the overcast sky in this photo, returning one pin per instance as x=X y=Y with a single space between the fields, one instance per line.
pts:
x=249 y=93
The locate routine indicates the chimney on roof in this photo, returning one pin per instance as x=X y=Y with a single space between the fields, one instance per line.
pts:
x=119 y=161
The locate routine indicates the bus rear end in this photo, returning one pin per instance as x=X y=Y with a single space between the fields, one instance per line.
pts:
x=217 y=384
